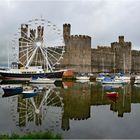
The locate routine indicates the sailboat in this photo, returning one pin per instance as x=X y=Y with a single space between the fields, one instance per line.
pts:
x=123 y=76
x=101 y=76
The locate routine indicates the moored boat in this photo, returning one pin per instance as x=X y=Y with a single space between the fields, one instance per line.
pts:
x=113 y=85
x=43 y=81
x=112 y=94
x=137 y=77
x=124 y=78
x=82 y=78
x=100 y=77
x=137 y=81
x=12 y=89
x=82 y=81
x=27 y=73
x=9 y=94
x=29 y=92
x=109 y=80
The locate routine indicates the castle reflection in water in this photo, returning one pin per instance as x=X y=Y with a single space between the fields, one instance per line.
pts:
x=72 y=102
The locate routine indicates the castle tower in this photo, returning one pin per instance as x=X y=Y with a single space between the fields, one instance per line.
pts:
x=40 y=31
x=77 y=51
x=66 y=32
x=122 y=52
x=121 y=39
x=24 y=35
x=24 y=30
x=32 y=34
x=23 y=42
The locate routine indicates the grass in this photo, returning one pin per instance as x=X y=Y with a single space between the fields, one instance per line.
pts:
x=35 y=135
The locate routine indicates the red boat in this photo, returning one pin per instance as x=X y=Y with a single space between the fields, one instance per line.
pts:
x=112 y=94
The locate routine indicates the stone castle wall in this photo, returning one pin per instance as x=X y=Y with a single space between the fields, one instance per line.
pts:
x=77 y=51
x=135 y=60
x=79 y=56
x=122 y=51
x=116 y=58
x=102 y=59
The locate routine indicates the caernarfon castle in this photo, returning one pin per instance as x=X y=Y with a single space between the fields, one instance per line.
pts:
x=81 y=57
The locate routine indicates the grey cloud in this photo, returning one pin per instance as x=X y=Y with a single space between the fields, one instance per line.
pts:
x=103 y=20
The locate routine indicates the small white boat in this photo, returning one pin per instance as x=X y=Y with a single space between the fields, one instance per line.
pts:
x=113 y=85
x=43 y=81
x=113 y=82
x=137 y=81
x=82 y=81
x=10 y=86
x=101 y=77
x=137 y=85
x=109 y=80
x=137 y=77
x=30 y=93
x=82 y=78
x=124 y=78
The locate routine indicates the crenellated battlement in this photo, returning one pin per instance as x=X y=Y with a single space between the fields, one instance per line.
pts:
x=24 y=26
x=121 y=39
x=24 y=30
x=79 y=52
x=135 y=53
x=121 y=42
x=66 y=25
x=107 y=48
x=80 y=37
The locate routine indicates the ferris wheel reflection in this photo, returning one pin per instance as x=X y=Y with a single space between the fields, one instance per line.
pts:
x=41 y=112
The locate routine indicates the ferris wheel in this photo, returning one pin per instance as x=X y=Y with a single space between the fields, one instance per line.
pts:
x=38 y=43
x=43 y=112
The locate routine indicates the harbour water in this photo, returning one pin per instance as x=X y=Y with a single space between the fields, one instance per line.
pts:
x=75 y=110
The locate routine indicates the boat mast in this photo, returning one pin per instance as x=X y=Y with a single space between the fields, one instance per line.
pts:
x=124 y=62
x=27 y=55
x=114 y=63
x=103 y=64
x=8 y=58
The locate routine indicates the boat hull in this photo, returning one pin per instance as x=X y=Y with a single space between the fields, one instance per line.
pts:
x=29 y=95
x=112 y=82
x=112 y=94
x=9 y=95
x=28 y=77
x=82 y=78
x=43 y=81
x=16 y=90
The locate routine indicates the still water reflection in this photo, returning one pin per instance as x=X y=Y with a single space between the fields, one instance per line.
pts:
x=74 y=109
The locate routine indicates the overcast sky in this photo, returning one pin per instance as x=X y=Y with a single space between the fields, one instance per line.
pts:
x=103 y=20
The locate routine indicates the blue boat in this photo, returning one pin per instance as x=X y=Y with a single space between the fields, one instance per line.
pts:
x=108 y=88
x=30 y=93
x=9 y=94
x=110 y=80
x=100 y=77
x=12 y=89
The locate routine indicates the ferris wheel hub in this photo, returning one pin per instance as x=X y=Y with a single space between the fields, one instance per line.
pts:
x=38 y=44
x=37 y=111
